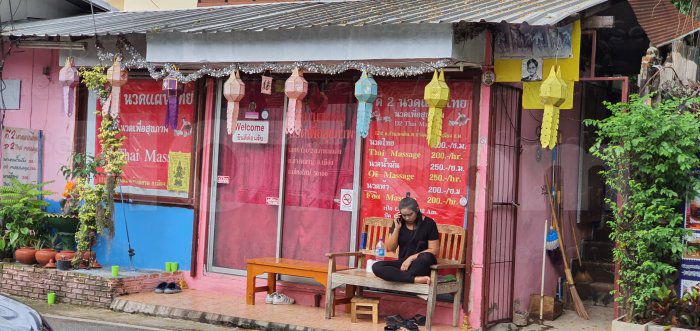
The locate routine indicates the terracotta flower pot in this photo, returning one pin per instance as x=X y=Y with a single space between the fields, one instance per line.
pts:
x=44 y=255
x=65 y=255
x=25 y=255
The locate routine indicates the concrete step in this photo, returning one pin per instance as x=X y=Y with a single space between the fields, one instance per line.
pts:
x=597 y=292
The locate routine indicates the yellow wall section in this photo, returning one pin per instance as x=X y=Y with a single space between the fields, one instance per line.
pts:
x=509 y=71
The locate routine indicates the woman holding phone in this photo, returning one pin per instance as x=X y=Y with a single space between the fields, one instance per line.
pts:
x=417 y=238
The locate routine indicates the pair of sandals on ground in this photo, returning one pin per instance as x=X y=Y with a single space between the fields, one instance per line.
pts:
x=168 y=288
x=397 y=322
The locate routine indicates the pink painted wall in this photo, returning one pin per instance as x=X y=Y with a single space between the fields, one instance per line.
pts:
x=533 y=205
x=41 y=107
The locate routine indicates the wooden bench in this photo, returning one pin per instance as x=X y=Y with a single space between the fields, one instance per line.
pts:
x=274 y=266
x=450 y=256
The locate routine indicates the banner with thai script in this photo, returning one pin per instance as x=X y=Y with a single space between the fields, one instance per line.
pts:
x=690 y=264
x=397 y=158
x=149 y=142
x=21 y=155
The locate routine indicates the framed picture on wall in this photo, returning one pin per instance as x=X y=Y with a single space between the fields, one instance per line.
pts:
x=532 y=70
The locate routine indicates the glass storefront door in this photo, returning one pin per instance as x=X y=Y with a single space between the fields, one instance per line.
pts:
x=245 y=209
x=318 y=168
x=319 y=173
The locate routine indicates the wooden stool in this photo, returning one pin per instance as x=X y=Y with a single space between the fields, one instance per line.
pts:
x=373 y=304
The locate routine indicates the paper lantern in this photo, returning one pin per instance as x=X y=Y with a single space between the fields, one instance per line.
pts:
x=68 y=78
x=553 y=95
x=366 y=93
x=234 y=91
x=172 y=89
x=437 y=94
x=295 y=88
x=117 y=76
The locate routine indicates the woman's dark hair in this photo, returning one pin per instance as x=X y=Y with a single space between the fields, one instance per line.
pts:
x=409 y=203
x=533 y=61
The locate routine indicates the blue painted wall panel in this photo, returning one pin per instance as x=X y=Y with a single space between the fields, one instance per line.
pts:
x=158 y=234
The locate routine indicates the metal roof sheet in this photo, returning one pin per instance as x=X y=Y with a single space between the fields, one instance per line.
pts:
x=307 y=14
x=662 y=22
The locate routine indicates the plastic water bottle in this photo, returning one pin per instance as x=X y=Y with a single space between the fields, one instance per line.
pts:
x=379 y=251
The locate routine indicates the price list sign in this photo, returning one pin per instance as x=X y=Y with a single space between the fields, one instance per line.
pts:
x=397 y=158
x=21 y=155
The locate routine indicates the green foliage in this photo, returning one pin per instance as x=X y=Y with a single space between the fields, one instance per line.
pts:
x=668 y=310
x=683 y=5
x=82 y=166
x=650 y=154
x=95 y=78
x=97 y=209
x=22 y=214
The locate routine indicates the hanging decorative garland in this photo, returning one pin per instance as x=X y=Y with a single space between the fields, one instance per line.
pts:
x=437 y=94
x=234 y=91
x=69 y=79
x=296 y=88
x=137 y=61
x=366 y=93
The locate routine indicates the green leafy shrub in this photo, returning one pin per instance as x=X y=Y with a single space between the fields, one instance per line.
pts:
x=650 y=153
x=22 y=214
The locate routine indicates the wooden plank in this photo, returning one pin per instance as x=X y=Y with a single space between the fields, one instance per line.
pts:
x=448 y=245
x=361 y=277
x=289 y=264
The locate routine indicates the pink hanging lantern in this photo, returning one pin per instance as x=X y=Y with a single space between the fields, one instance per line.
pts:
x=295 y=88
x=69 y=79
x=117 y=76
x=234 y=91
x=172 y=89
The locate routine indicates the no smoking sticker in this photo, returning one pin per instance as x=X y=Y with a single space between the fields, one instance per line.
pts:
x=346 y=202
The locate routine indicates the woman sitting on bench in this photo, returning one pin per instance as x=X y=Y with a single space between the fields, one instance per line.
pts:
x=417 y=239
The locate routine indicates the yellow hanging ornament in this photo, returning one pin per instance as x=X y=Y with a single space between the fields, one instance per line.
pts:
x=437 y=94
x=553 y=95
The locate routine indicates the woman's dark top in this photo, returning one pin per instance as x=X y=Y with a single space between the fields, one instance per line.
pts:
x=416 y=240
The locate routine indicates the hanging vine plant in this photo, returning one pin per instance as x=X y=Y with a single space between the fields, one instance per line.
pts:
x=97 y=210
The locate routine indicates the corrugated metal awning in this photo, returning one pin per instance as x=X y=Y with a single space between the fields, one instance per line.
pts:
x=272 y=16
x=662 y=22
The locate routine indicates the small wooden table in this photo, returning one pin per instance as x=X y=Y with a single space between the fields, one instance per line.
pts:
x=273 y=266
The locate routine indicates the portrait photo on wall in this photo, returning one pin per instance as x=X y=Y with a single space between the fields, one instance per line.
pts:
x=531 y=70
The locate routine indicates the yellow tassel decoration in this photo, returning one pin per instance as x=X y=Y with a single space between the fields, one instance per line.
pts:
x=553 y=94
x=437 y=94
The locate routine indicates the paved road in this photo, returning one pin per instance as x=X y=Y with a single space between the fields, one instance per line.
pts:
x=63 y=323
x=60 y=323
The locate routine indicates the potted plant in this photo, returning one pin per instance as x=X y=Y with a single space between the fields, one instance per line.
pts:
x=46 y=249
x=650 y=153
x=23 y=217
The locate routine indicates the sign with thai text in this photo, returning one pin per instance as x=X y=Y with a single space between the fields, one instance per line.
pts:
x=397 y=158
x=150 y=143
x=21 y=155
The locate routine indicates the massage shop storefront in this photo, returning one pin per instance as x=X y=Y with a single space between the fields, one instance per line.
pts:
x=302 y=195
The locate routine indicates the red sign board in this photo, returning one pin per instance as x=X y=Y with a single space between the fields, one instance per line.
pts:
x=148 y=141
x=397 y=158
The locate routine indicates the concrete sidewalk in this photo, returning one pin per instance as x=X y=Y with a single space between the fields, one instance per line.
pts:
x=232 y=310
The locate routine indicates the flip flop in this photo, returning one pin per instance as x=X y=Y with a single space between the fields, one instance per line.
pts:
x=394 y=319
x=418 y=319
